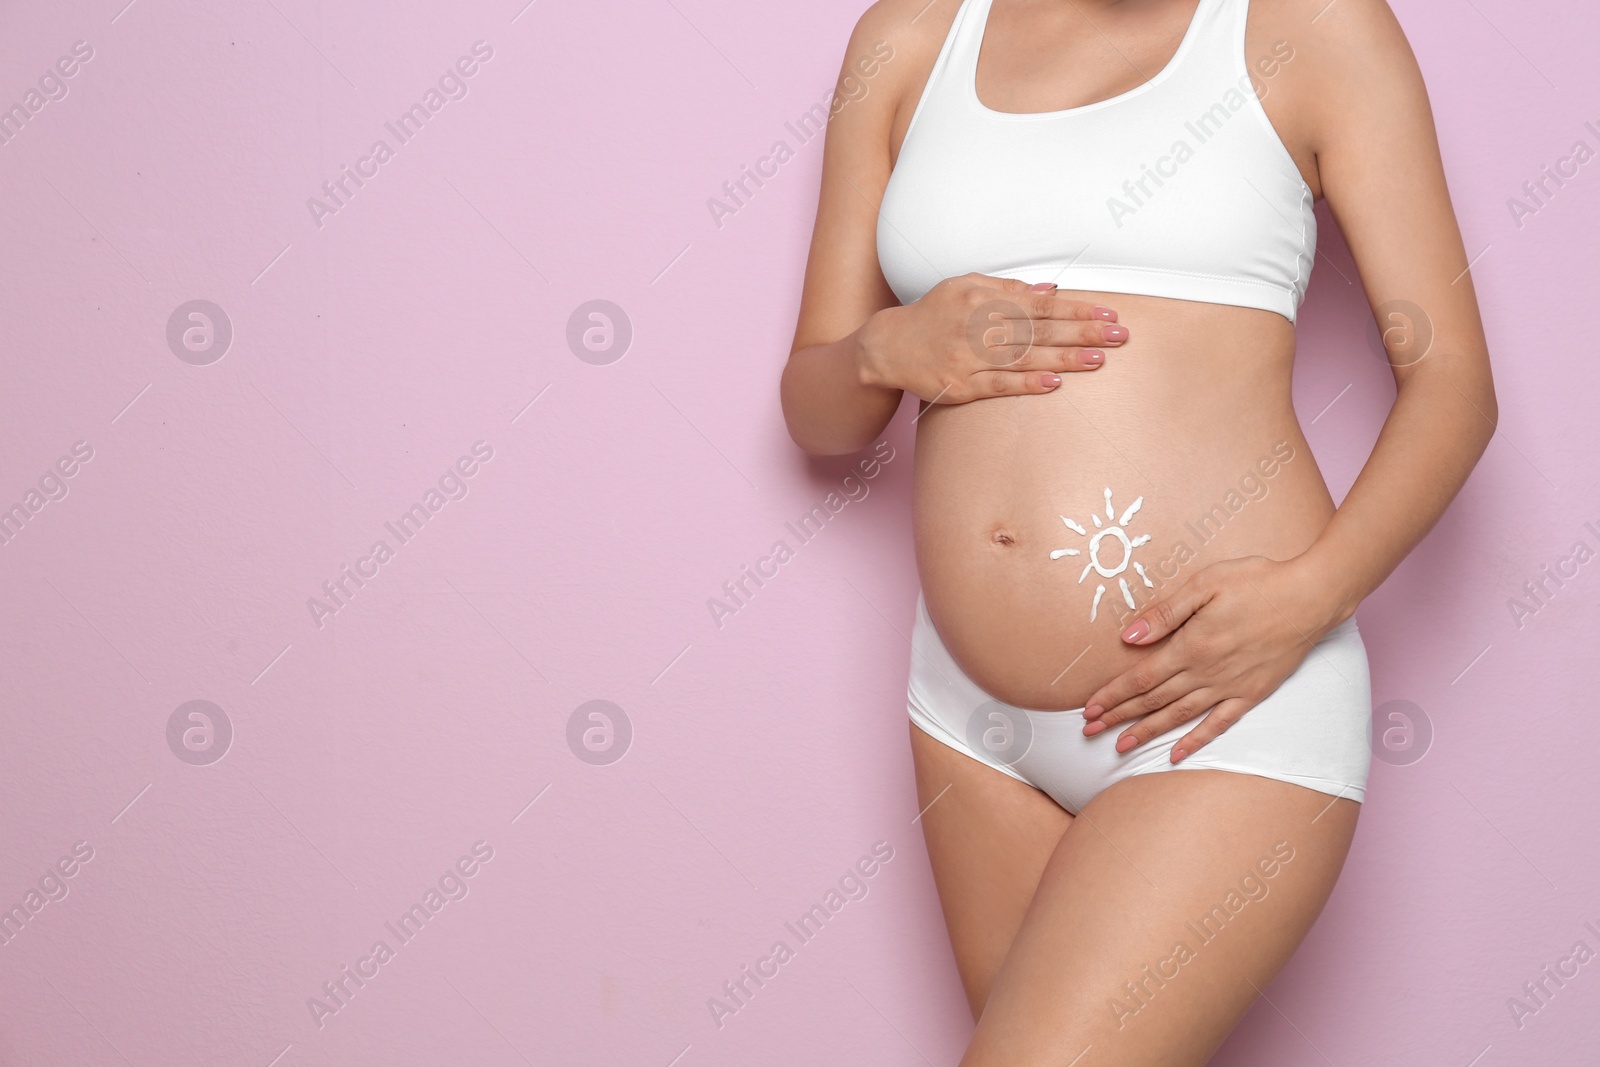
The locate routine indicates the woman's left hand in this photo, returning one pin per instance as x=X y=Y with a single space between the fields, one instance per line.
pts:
x=1238 y=628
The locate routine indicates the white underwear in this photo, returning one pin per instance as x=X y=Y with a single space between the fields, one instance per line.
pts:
x=1314 y=730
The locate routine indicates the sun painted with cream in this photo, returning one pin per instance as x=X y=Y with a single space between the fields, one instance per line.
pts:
x=1114 y=529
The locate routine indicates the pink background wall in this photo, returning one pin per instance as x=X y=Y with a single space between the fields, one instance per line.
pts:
x=363 y=758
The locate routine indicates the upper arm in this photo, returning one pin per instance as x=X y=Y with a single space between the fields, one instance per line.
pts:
x=1377 y=153
x=888 y=57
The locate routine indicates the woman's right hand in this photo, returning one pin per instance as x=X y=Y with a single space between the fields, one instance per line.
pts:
x=978 y=336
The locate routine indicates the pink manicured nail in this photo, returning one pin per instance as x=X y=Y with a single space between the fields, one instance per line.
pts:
x=1042 y=287
x=1092 y=357
x=1178 y=754
x=1102 y=312
x=1114 y=333
x=1093 y=711
x=1137 y=632
x=1126 y=742
x=1092 y=728
x=1051 y=380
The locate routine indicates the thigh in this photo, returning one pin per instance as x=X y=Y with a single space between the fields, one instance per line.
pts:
x=1172 y=900
x=989 y=838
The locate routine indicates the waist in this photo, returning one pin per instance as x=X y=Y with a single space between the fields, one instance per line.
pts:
x=1045 y=523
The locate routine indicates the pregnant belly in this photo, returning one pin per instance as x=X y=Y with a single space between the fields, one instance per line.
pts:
x=1045 y=523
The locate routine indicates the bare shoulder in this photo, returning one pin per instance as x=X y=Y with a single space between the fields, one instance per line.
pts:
x=1355 y=93
x=1334 y=32
x=1328 y=69
x=1351 y=55
x=1346 y=26
x=898 y=41
x=914 y=29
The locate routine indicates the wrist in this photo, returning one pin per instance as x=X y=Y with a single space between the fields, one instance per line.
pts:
x=1331 y=585
x=867 y=354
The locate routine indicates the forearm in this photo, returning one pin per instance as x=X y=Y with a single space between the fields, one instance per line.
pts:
x=1434 y=435
x=827 y=407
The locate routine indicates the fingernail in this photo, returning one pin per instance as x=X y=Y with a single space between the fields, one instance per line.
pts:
x=1103 y=312
x=1093 y=711
x=1051 y=380
x=1092 y=728
x=1126 y=742
x=1042 y=287
x=1114 y=333
x=1178 y=754
x=1137 y=632
x=1092 y=356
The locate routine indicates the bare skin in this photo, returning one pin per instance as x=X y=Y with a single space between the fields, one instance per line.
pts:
x=1050 y=914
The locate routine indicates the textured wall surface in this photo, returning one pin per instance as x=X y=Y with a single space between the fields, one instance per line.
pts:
x=232 y=775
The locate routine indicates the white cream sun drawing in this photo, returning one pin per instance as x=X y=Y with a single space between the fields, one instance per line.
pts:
x=1117 y=532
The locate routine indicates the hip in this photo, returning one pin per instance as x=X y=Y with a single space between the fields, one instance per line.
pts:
x=1314 y=730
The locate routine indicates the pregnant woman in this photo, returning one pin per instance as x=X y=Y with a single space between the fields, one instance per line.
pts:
x=1079 y=232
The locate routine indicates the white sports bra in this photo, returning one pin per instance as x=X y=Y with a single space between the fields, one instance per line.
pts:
x=1177 y=188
